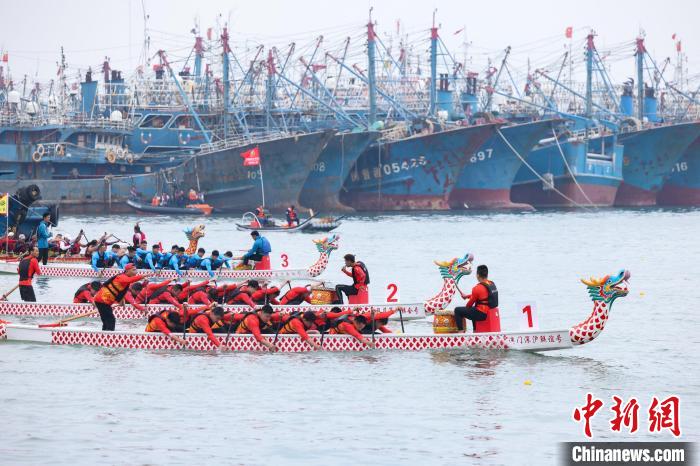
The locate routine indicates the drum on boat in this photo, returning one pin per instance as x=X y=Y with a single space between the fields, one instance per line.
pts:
x=323 y=295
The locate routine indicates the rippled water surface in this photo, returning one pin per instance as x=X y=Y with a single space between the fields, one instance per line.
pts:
x=74 y=405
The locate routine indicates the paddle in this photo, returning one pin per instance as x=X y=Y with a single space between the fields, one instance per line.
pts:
x=62 y=323
x=4 y=297
x=401 y=318
x=184 y=324
x=374 y=325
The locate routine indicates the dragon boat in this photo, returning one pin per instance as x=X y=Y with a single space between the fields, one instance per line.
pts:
x=603 y=292
x=411 y=311
x=324 y=247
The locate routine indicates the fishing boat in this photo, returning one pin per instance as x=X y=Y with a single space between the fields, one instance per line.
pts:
x=324 y=246
x=409 y=311
x=191 y=209
x=683 y=186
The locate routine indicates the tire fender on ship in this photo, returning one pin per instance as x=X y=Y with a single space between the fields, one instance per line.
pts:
x=111 y=156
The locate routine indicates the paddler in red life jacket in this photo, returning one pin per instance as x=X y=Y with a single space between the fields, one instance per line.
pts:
x=482 y=300
x=381 y=320
x=86 y=293
x=297 y=295
x=301 y=324
x=188 y=289
x=206 y=322
x=112 y=292
x=266 y=295
x=256 y=323
x=166 y=322
x=325 y=319
x=241 y=294
x=27 y=268
x=359 y=274
x=134 y=290
x=351 y=325
x=292 y=216
x=159 y=293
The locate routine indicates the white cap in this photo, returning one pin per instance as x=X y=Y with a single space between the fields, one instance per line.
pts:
x=10 y=234
x=22 y=237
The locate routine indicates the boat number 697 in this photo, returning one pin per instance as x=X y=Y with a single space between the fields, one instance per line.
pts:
x=481 y=155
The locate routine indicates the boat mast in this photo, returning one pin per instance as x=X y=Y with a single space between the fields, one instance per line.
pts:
x=433 y=66
x=640 y=77
x=270 y=88
x=198 y=54
x=225 y=64
x=183 y=94
x=590 y=47
x=371 y=72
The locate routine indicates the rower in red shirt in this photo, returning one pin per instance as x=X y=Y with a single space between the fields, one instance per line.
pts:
x=256 y=323
x=86 y=293
x=301 y=324
x=360 y=278
x=188 y=289
x=349 y=325
x=162 y=294
x=297 y=295
x=381 y=319
x=166 y=322
x=27 y=268
x=201 y=296
x=130 y=296
x=242 y=293
x=204 y=321
x=266 y=295
x=482 y=301
x=324 y=319
x=112 y=292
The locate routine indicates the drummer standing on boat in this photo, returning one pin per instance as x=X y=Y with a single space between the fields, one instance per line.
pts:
x=42 y=237
x=112 y=292
x=28 y=267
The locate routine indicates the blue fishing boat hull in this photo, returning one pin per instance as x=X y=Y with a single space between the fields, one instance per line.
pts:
x=414 y=173
x=595 y=164
x=322 y=187
x=485 y=181
x=650 y=155
x=683 y=186
x=229 y=186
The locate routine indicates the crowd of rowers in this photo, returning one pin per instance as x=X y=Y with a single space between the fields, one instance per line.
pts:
x=197 y=308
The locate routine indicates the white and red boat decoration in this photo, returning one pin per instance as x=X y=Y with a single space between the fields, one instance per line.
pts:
x=129 y=312
x=603 y=292
x=324 y=246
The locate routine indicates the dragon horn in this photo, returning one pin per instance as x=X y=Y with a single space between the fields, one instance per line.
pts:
x=442 y=263
x=591 y=281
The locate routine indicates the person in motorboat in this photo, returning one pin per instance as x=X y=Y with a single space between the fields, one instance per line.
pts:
x=292 y=217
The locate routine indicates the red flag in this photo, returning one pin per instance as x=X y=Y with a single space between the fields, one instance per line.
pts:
x=673 y=36
x=678 y=46
x=209 y=33
x=251 y=158
x=5 y=57
x=569 y=32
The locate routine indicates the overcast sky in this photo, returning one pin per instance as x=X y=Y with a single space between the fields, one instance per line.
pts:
x=33 y=31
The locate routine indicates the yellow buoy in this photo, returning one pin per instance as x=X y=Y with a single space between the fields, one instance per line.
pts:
x=527 y=382
x=641 y=293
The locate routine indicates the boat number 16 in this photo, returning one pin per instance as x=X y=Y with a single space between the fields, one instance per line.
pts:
x=680 y=167
x=481 y=155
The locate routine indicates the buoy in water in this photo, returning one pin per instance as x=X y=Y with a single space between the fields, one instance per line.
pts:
x=527 y=382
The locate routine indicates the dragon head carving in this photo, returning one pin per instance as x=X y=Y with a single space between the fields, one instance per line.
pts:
x=608 y=288
x=327 y=244
x=195 y=232
x=456 y=268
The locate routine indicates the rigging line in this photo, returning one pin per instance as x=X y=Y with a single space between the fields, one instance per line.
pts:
x=568 y=168
x=534 y=172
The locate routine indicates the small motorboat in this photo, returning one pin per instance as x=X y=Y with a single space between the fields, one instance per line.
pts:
x=189 y=209
x=250 y=222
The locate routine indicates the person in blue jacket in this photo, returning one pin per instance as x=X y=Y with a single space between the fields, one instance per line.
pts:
x=195 y=260
x=42 y=238
x=152 y=259
x=261 y=248
x=214 y=262
x=101 y=259
x=129 y=258
x=166 y=256
x=177 y=261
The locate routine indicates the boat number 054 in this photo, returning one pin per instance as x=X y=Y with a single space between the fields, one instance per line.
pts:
x=396 y=167
x=481 y=155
